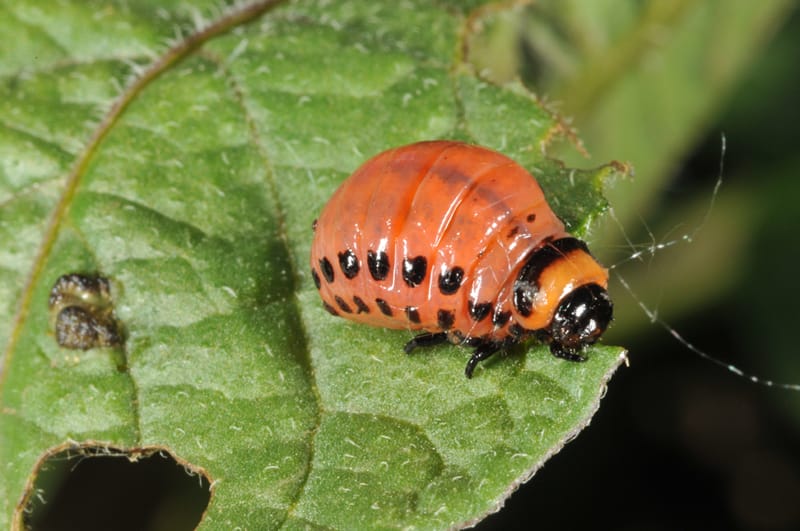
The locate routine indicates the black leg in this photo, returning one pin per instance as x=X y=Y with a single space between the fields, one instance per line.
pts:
x=565 y=354
x=425 y=340
x=481 y=353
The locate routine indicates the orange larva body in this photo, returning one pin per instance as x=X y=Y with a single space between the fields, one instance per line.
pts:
x=443 y=236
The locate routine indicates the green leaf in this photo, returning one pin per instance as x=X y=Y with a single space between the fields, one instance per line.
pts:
x=189 y=176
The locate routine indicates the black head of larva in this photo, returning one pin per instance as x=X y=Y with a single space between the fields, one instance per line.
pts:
x=580 y=320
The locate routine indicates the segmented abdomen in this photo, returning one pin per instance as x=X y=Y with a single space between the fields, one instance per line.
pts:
x=430 y=236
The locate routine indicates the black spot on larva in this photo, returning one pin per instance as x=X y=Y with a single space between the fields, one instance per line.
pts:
x=450 y=280
x=413 y=314
x=384 y=307
x=445 y=319
x=414 y=270
x=479 y=311
x=523 y=297
x=314 y=226
x=82 y=312
x=330 y=309
x=378 y=264
x=500 y=318
x=326 y=268
x=349 y=263
x=531 y=218
x=315 y=276
x=513 y=232
x=516 y=330
x=342 y=304
x=362 y=306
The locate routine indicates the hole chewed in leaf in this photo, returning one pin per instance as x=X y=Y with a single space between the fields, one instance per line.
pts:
x=93 y=486
x=82 y=312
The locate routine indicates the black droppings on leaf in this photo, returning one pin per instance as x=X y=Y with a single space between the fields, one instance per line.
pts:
x=82 y=312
